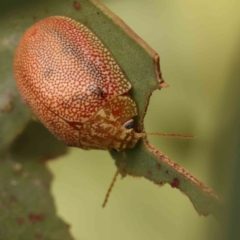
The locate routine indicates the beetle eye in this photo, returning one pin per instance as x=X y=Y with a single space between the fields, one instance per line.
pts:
x=129 y=124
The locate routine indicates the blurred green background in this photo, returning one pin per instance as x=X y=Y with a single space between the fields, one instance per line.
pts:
x=198 y=43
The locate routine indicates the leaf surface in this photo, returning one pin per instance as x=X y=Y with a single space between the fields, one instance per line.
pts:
x=27 y=205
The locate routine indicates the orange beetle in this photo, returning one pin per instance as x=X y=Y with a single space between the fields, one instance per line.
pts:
x=74 y=86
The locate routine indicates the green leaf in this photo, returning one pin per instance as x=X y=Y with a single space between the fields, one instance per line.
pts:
x=141 y=66
x=13 y=114
x=26 y=207
x=146 y=161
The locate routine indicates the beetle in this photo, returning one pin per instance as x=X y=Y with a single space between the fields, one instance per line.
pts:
x=74 y=86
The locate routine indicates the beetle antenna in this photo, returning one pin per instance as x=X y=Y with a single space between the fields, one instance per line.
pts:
x=169 y=135
x=110 y=188
x=113 y=180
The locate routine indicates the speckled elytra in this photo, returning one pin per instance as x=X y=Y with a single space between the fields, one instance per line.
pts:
x=74 y=86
